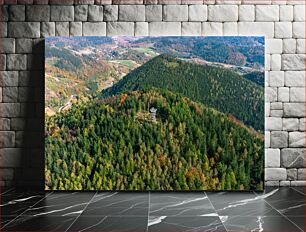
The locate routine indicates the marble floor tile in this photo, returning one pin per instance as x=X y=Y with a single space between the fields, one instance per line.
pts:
x=180 y=204
x=298 y=221
x=40 y=223
x=243 y=203
x=301 y=190
x=61 y=204
x=110 y=224
x=287 y=201
x=118 y=203
x=258 y=223
x=15 y=203
x=187 y=224
x=58 y=206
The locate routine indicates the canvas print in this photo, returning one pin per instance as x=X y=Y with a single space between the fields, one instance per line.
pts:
x=154 y=113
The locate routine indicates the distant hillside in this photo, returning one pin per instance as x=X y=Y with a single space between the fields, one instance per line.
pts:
x=215 y=87
x=241 y=51
x=114 y=144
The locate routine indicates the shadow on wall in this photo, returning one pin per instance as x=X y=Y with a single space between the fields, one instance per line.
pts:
x=31 y=139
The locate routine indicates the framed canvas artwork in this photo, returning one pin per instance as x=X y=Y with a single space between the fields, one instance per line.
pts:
x=154 y=113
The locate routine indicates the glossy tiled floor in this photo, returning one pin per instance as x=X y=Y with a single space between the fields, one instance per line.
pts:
x=274 y=210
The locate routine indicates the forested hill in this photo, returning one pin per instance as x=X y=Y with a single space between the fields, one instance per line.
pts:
x=113 y=144
x=219 y=88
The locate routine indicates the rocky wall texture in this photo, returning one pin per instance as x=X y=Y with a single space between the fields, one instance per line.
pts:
x=24 y=24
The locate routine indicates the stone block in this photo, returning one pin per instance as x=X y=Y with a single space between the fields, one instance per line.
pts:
x=293 y=61
x=62 y=29
x=24 y=29
x=270 y=94
x=8 y=139
x=267 y=13
x=47 y=29
x=212 y=29
x=283 y=94
x=276 y=62
x=80 y=13
x=277 y=113
x=9 y=78
x=275 y=174
x=38 y=13
x=301 y=174
x=24 y=45
x=230 y=28
x=11 y=110
x=256 y=28
x=191 y=29
x=277 y=79
x=75 y=29
x=9 y=94
x=297 y=94
x=293 y=157
x=11 y=158
x=294 y=109
x=222 y=13
x=295 y=78
x=154 y=13
x=286 y=13
x=131 y=13
x=175 y=13
x=299 y=13
x=197 y=13
x=279 y=139
x=300 y=46
x=17 y=13
x=141 y=29
x=272 y=158
x=298 y=30
x=94 y=28
x=297 y=183
x=274 y=46
x=273 y=123
x=290 y=124
x=164 y=28
x=292 y=174
x=284 y=183
x=296 y=139
x=120 y=28
x=273 y=183
x=4 y=15
x=289 y=46
x=246 y=13
x=95 y=13
x=283 y=29
x=62 y=13
x=7 y=45
x=111 y=12
x=16 y=62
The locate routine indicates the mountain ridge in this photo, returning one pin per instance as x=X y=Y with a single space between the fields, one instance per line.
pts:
x=222 y=89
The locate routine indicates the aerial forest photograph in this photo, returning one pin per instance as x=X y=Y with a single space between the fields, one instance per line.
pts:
x=154 y=113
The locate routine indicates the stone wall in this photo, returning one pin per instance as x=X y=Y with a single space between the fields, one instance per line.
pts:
x=24 y=24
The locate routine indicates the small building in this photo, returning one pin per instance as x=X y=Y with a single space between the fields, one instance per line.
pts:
x=153 y=114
